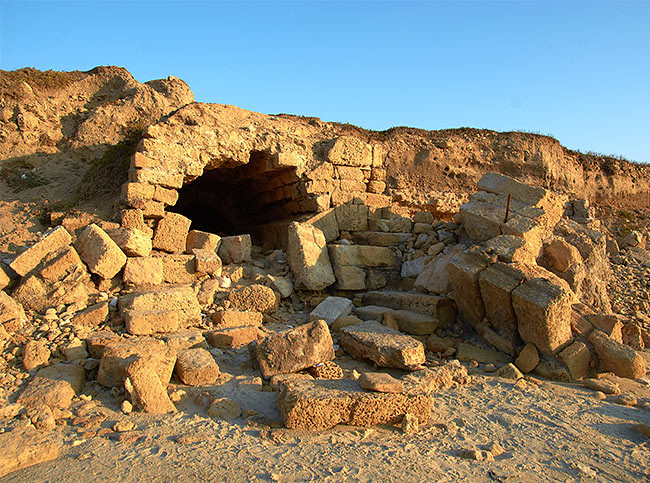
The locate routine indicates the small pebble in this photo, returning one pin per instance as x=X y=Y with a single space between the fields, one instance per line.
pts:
x=127 y=407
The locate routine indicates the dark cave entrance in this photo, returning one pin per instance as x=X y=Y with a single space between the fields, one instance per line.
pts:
x=255 y=198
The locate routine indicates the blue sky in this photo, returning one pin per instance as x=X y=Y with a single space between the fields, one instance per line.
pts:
x=579 y=70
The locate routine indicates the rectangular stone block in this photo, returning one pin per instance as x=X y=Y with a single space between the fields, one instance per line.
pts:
x=166 y=196
x=383 y=345
x=543 y=313
x=439 y=307
x=616 y=357
x=496 y=283
x=25 y=446
x=181 y=299
x=99 y=252
x=326 y=222
x=331 y=309
x=133 y=242
x=156 y=176
x=308 y=256
x=206 y=261
x=143 y=271
x=196 y=367
x=235 y=249
x=202 y=240
x=361 y=255
x=463 y=271
x=146 y=388
x=352 y=217
x=236 y=318
x=350 y=278
x=577 y=357
x=295 y=349
x=232 y=337
x=52 y=241
x=178 y=268
x=414 y=323
x=147 y=322
x=132 y=192
x=171 y=233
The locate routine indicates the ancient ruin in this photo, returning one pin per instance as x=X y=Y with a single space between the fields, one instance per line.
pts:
x=355 y=276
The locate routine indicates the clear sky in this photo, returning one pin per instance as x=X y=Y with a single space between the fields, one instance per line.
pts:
x=578 y=70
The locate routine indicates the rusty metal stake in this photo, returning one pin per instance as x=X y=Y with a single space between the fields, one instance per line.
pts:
x=505 y=220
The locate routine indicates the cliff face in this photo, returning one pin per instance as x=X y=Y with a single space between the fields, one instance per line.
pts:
x=56 y=127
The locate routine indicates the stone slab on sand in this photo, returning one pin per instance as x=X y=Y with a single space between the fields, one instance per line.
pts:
x=25 y=447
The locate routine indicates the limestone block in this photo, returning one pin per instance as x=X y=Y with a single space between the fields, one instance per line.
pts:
x=543 y=313
x=317 y=405
x=146 y=388
x=361 y=255
x=496 y=283
x=350 y=278
x=468 y=352
x=294 y=349
x=481 y=220
x=235 y=249
x=439 y=307
x=54 y=386
x=35 y=354
x=616 y=357
x=412 y=322
x=577 y=357
x=52 y=241
x=4 y=278
x=395 y=225
x=326 y=222
x=25 y=446
x=150 y=209
x=171 y=233
x=134 y=218
x=528 y=358
x=413 y=268
x=185 y=339
x=562 y=255
x=11 y=310
x=383 y=345
x=178 y=269
x=134 y=243
x=102 y=255
x=132 y=192
x=146 y=322
x=382 y=239
x=207 y=261
x=434 y=278
x=463 y=270
x=308 y=256
x=350 y=151
x=143 y=271
x=380 y=382
x=98 y=341
x=166 y=196
x=181 y=299
x=117 y=356
x=331 y=309
x=352 y=217
x=510 y=249
x=64 y=264
x=196 y=367
x=91 y=316
x=233 y=337
x=255 y=298
x=611 y=325
x=202 y=240
x=237 y=318
x=156 y=176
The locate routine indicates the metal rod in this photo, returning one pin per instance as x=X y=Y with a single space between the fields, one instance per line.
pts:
x=505 y=220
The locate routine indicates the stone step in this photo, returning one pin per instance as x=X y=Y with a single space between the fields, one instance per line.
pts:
x=442 y=308
x=407 y=321
x=380 y=238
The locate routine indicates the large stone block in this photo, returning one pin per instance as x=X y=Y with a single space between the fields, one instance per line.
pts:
x=463 y=270
x=481 y=220
x=352 y=217
x=255 y=298
x=383 y=345
x=361 y=255
x=577 y=357
x=543 y=314
x=146 y=388
x=616 y=357
x=202 y=240
x=181 y=299
x=117 y=357
x=178 y=268
x=331 y=309
x=562 y=255
x=325 y=222
x=207 y=261
x=414 y=323
x=350 y=151
x=146 y=322
x=511 y=249
x=134 y=243
x=237 y=318
x=25 y=446
x=54 y=386
x=308 y=256
x=233 y=337
x=11 y=312
x=441 y=308
x=434 y=278
x=171 y=233
x=196 y=367
x=235 y=249
x=295 y=349
x=102 y=255
x=350 y=278
x=143 y=271
x=51 y=241
x=497 y=283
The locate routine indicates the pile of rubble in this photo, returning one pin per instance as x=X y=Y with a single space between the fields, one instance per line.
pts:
x=144 y=307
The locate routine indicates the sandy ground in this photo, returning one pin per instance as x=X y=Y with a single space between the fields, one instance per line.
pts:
x=550 y=432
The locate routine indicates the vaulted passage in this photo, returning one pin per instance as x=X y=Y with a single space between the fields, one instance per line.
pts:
x=244 y=199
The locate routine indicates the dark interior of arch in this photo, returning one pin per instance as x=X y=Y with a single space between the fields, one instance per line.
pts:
x=233 y=201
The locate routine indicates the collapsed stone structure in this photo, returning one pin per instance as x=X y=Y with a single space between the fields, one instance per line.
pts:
x=286 y=244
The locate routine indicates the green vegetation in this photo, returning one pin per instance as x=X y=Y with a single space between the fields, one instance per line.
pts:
x=21 y=175
x=48 y=80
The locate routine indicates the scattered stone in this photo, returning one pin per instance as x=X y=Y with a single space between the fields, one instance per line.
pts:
x=102 y=255
x=145 y=387
x=611 y=325
x=562 y=255
x=41 y=417
x=509 y=371
x=54 y=386
x=255 y=298
x=202 y=240
x=380 y=382
x=616 y=357
x=321 y=404
x=97 y=342
x=308 y=256
x=331 y=309
x=143 y=271
x=411 y=322
x=74 y=350
x=577 y=358
x=133 y=242
x=295 y=349
x=626 y=399
x=196 y=367
x=439 y=344
x=235 y=249
x=207 y=261
x=237 y=318
x=528 y=358
x=232 y=337
x=35 y=354
x=185 y=339
x=224 y=408
x=602 y=385
x=326 y=370
x=126 y=407
x=383 y=345
x=123 y=426
x=468 y=352
x=25 y=446
x=439 y=307
x=51 y=242
x=91 y=316
x=346 y=321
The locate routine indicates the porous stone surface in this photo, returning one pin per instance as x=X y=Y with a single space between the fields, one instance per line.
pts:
x=196 y=367
x=383 y=345
x=464 y=270
x=294 y=349
x=91 y=316
x=237 y=318
x=26 y=446
x=233 y=337
x=52 y=241
x=254 y=298
x=98 y=250
x=202 y=240
x=133 y=242
x=54 y=386
x=35 y=354
x=577 y=358
x=207 y=261
x=308 y=256
x=528 y=358
x=171 y=233
x=117 y=356
x=180 y=300
x=235 y=249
